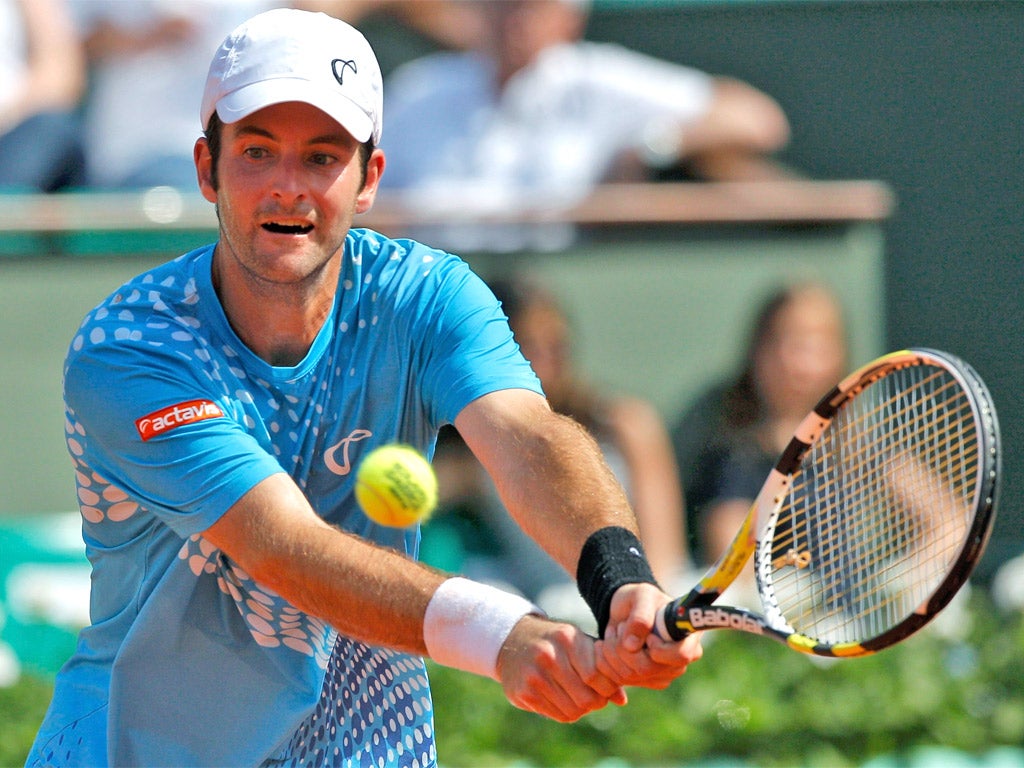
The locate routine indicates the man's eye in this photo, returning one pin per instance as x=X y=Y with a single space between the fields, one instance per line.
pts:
x=256 y=153
x=321 y=158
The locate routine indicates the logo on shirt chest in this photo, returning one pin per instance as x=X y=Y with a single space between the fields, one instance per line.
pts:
x=174 y=416
x=336 y=457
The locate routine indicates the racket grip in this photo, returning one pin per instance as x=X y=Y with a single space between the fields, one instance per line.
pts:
x=665 y=623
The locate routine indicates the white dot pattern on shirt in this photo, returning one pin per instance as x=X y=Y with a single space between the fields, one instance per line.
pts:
x=272 y=621
x=376 y=714
x=375 y=706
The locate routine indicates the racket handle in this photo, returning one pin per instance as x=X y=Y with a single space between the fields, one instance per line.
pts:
x=665 y=623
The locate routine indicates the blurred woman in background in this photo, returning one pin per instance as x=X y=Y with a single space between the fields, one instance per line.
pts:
x=729 y=439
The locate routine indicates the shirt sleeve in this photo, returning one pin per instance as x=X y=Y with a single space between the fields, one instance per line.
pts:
x=145 y=420
x=466 y=348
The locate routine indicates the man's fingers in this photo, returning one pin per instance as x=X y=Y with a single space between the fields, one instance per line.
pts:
x=589 y=680
x=671 y=653
x=632 y=617
x=556 y=674
x=656 y=665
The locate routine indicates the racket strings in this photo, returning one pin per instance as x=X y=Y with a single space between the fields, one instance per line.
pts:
x=966 y=468
x=879 y=509
x=906 y=532
x=966 y=462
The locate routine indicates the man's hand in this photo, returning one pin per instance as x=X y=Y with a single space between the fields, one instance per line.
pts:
x=551 y=668
x=631 y=653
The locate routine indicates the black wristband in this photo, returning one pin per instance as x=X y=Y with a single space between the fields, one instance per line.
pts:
x=611 y=557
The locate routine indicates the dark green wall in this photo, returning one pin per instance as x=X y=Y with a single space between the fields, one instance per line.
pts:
x=928 y=96
x=924 y=94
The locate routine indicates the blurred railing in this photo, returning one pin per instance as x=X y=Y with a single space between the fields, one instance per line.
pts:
x=797 y=201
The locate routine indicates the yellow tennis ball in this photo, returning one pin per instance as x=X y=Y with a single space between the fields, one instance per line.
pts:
x=396 y=486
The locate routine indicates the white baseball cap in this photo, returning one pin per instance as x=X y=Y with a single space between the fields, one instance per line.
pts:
x=292 y=55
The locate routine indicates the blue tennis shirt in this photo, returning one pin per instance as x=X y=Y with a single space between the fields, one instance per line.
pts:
x=171 y=419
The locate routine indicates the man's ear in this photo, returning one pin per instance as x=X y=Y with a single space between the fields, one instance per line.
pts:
x=374 y=170
x=204 y=169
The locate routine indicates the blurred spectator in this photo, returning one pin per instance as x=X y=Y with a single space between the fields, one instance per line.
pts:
x=454 y=24
x=148 y=60
x=630 y=432
x=537 y=115
x=729 y=439
x=42 y=79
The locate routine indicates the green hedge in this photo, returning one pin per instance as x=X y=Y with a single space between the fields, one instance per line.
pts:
x=22 y=707
x=748 y=701
x=756 y=702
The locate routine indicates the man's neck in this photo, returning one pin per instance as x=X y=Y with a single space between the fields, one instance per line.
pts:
x=278 y=323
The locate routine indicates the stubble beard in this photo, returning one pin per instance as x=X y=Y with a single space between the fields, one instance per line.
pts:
x=261 y=283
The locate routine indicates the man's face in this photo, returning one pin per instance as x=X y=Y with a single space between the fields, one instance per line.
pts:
x=289 y=184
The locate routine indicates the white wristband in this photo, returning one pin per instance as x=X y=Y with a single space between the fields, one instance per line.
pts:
x=467 y=622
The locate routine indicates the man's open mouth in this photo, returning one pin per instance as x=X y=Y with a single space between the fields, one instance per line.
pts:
x=287 y=229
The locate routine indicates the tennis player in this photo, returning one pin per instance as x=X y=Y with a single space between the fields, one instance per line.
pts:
x=244 y=610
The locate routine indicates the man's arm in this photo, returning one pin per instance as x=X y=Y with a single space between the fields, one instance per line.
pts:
x=555 y=482
x=548 y=470
x=365 y=591
x=381 y=597
x=735 y=140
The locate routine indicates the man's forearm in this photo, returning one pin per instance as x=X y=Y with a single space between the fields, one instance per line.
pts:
x=365 y=591
x=559 y=489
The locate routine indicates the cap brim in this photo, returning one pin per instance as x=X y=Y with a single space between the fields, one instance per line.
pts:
x=252 y=98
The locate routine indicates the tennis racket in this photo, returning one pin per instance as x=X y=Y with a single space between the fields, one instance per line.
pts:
x=873 y=517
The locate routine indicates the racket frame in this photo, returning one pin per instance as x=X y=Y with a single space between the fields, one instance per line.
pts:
x=696 y=610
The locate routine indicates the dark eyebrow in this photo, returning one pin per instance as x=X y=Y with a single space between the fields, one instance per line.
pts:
x=337 y=139
x=253 y=130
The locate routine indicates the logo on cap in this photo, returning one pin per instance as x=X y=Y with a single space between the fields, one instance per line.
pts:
x=338 y=66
